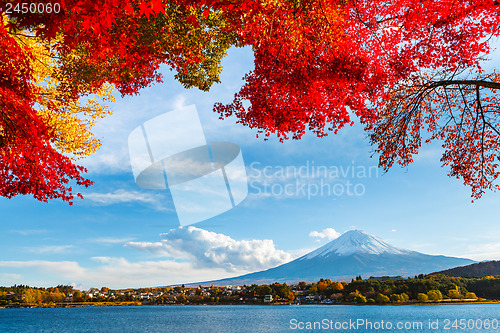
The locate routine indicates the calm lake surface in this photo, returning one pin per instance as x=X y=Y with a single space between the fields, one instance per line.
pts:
x=254 y=318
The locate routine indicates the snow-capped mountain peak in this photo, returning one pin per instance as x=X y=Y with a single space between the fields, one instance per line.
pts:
x=356 y=241
x=352 y=254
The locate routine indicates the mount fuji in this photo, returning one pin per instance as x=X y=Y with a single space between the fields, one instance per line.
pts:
x=353 y=253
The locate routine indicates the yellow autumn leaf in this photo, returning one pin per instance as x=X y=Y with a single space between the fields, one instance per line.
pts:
x=70 y=117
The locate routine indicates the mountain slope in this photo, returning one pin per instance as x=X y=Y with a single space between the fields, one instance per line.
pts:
x=480 y=269
x=353 y=253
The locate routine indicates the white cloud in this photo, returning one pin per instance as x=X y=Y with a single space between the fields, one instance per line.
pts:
x=111 y=272
x=120 y=196
x=484 y=251
x=57 y=268
x=111 y=240
x=108 y=159
x=29 y=232
x=328 y=233
x=119 y=271
x=50 y=249
x=210 y=249
x=10 y=279
x=179 y=101
x=301 y=252
x=10 y=276
x=77 y=286
x=123 y=196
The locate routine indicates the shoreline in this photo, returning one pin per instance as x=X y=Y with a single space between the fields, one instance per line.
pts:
x=108 y=304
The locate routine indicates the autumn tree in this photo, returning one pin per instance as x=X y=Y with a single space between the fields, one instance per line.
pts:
x=470 y=295
x=434 y=295
x=423 y=298
x=403 y=67
x=381 y=298
x=264 y=290
x=281 y=290
x=460 y=111
x=51 y=61
x=454 y=293
x=360 y=299
x=28 y=162
x=77 y=296
x=322 y=285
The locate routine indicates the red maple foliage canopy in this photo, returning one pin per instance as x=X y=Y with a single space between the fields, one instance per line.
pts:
x=398 y=65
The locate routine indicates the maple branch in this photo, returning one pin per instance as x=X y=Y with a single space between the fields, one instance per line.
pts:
x=388 y=19
x=477 y=83
x=480 y=108
x=323 y=11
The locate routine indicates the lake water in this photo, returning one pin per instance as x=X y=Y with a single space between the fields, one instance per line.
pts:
x=255 y=319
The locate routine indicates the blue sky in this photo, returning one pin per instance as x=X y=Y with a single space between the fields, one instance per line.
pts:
x=124 y=236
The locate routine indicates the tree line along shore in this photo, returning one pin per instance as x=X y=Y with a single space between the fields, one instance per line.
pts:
x=428 y=289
